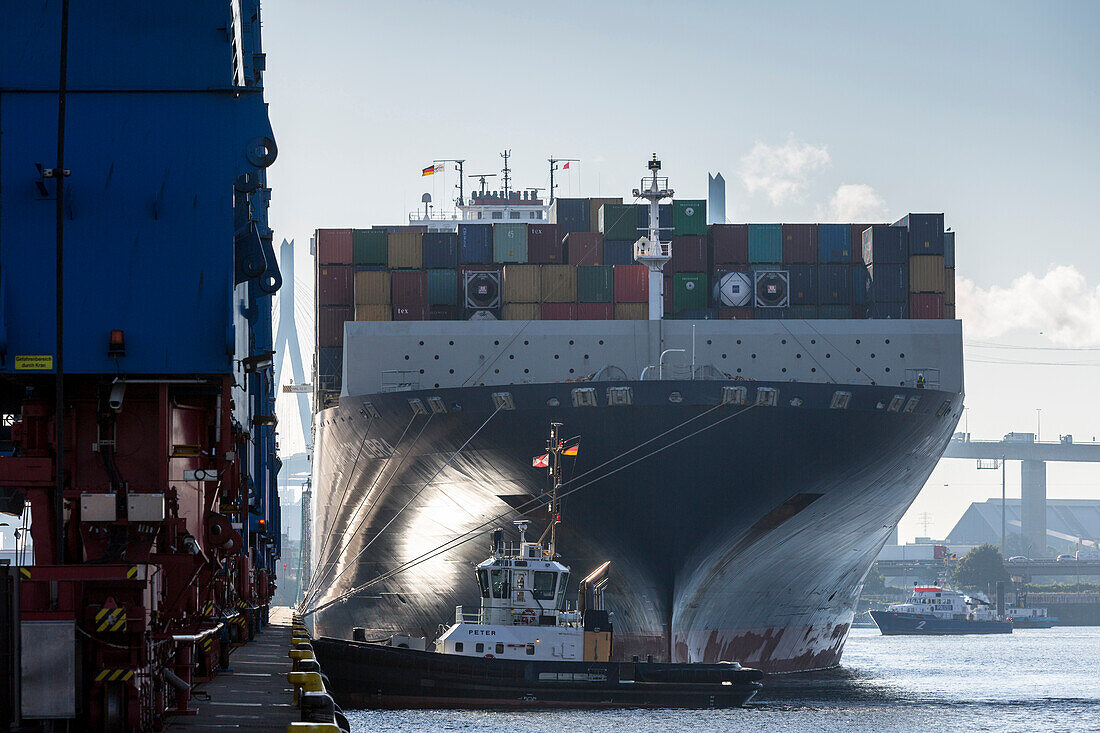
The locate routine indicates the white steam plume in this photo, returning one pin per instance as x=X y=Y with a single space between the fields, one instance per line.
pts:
x=782 y=171
x=1060 y=304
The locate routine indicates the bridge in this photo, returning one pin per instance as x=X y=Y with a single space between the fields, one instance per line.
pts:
x=1033 y=456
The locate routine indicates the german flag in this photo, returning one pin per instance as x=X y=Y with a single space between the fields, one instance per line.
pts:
x=571 y=450
x=430 y=170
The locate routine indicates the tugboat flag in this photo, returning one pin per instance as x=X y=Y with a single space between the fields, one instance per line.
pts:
x=542 y=461
x=571 y=450
x=430 y=170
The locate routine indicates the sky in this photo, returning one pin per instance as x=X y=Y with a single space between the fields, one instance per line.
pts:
x=839 y=111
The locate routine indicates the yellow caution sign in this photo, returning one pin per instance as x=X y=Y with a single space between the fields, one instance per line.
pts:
x=132 y=572
x=114 y=675
x=33 y=362
x=110 y=619
x=25 y=572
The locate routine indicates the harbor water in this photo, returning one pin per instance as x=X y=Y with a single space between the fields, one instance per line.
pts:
x=1032 y=679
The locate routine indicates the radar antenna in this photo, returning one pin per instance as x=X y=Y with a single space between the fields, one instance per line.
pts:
x=553 y=167
x=507 y=178
x=461 y=200
x=650 y=250
x=481 y=179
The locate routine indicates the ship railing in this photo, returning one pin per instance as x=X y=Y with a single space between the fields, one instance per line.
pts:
x=399 y=380
x=462 y=616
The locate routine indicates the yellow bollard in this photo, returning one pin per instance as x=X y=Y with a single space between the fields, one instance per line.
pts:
x=308 y=681
x=297 y=727
x=300 y=654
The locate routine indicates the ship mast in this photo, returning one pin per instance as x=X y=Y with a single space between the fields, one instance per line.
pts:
x=650 y=250
x=554 y=448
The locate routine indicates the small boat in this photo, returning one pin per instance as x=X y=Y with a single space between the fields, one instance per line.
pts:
x=940 y=610
x=525 y=646
x=1029 y=617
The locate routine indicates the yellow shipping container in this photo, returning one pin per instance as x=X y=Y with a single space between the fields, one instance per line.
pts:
x=594 y=211
x=926 y=274
x=406 y=250
x=631 y=311
x=372 y=288
x=949 y=290
x=522 y=284
x=559 y=283
x=369 y=312
x=520 y=312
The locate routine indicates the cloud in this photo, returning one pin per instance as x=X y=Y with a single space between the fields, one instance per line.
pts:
x=1060 y=304
x=782 y=171
x=856 y=202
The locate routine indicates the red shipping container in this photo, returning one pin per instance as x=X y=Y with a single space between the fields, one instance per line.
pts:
x=410 y=312
x=544 y=245
x=330 y=325
x=593 y=311
x=631 y=284
x=583 y=248
x=736 y=314
x=335 y=285
x=926 y=305
x=729 y=244
x=409 y=288
x=800 y=244
x=689 y=254
x=333 y=246
x=557 y=311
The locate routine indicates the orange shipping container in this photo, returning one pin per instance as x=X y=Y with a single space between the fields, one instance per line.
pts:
x=372 y=288
x=949 y=289
x=926 y=274
x=631 y=311
x=406 y=250
x=559 y=283
x=520 y=312
x=372 y=312
x=522 y=283
x=594 y=213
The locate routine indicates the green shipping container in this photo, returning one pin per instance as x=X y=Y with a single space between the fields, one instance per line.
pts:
x=509 y=243
x=765 y=243
x=369 y=247
x=619 y=222
x=442 y=287
x=595 y=284
x=689 y=291
x=689 y=218
x=804 y=311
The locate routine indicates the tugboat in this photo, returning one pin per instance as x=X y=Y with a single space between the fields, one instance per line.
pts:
x=940 y=610
x=1029 y=617
x=524 y=646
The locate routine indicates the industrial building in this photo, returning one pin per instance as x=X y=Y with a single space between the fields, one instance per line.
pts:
x=1070 y=524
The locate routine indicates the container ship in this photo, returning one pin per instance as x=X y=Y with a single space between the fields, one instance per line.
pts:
x=757 y=406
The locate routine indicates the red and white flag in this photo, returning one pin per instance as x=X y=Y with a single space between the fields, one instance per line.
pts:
x=542 y=461
x=565 y=167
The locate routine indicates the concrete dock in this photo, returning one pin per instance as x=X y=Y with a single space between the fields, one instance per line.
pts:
x=253 y=694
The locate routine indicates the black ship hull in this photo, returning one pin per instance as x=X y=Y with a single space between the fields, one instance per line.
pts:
x=736 y=533
x=371 y=676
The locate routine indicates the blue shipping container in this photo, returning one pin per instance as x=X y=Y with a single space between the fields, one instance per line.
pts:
x=834 y=243
x=440 y=249
x=883 y=243
x=618 y=253
x=949 y=250
x=860 y=283
x=475 y=244
x=664 y=218
x=571 y=215
x=834 y=284
x=889 y=310
x=770 y=314
x=925 y=233
x=442 y=287
x=803 y=280
x=889 y=283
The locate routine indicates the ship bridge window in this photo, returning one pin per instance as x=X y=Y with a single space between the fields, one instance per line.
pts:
x=483 y=581
x=561 y=591
x=499 y=584
x=544 y=585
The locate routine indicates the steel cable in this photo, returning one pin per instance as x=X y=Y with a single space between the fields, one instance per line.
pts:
x=472 y=533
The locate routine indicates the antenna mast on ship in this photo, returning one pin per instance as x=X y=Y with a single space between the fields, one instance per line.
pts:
x=650 y=250
x=554 y=448
x=458 y=165
x=507 y=179
x=553 y=167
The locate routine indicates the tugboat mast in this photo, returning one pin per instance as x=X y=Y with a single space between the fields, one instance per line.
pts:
x=554 y=448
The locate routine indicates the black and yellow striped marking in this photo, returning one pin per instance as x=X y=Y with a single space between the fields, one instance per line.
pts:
x=25 y=572
x=207 y=643
x=208 y=609
x=114 y=675
x=132 y=572
x=110 y=619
